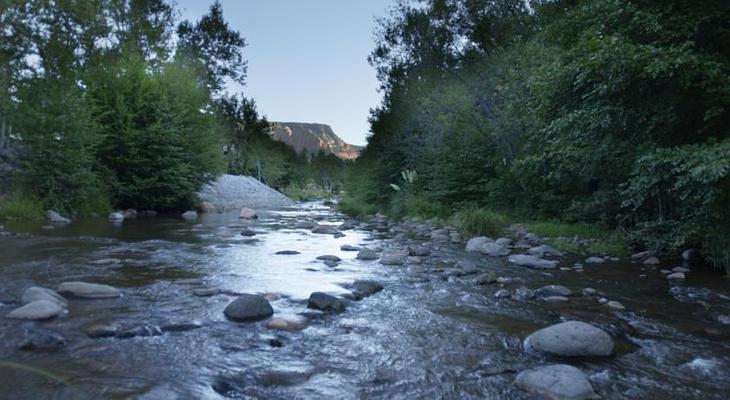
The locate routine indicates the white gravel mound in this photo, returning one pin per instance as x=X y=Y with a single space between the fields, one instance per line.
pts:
x=235 y=191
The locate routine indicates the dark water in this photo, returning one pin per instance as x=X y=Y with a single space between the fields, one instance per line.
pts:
x=425 y=336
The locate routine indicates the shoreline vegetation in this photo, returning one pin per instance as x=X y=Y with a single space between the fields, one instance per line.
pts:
x=601 y=118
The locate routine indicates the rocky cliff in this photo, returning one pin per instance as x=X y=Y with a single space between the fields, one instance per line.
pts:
x=311 y=138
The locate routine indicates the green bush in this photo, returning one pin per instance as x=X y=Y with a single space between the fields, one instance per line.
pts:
x=480 y=222
x=16 y=206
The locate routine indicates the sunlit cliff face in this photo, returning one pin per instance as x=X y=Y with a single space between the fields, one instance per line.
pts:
x=312 y=138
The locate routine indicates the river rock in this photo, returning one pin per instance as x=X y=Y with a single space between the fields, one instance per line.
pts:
x=486 y=278
x=503 y=241
x=555 y=299
x=493 y=249
x=347 y=225
x=53 y=216
x=192 y=214
x=571 y=338
x=144 y=330
x=676 y=275
x=556 y=382
x=419 y=251
x=365 y=288
x=288 y=252
x=690 y=255
x=544 y=250
x=180 y=326
x=532 y=261
x=38 y=310
x=652 y=261
x=116 y=216
x=305 y=225
x=588 y=292
x=102 y=330
x=89 y=290
x=554 y=290
x=502 y=293
x=34 y=293
x=42 y=340
x=475 y=244
x=642 y=254
x=615 y=305
x=325 y=302
x=349 y=247
x=329 y=257
x=367 y=254
x=391 y=259
x=247 y=213
x=248 y=233
x=455 y=237
x=206 y=292
x=248 y=307
x=286 y=324
x=595 y=260
x=522 y=293
x=326 y=230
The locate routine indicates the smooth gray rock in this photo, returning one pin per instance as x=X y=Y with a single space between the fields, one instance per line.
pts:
x=365 y=288
x=613 y=304
x=652 y=261
x=42 y=340
x=554 y=290
x=522 y=293
x=571 y=338
x=475 y=244
x=329 y=257
x=544 y=250
x=305 y=225
x=493 y=249
x=116 y=216
x=35 y=293
x=419 y=251
x=486 y=278
x=532 y=261
x=247 y=213
x=348 y=247
x=326 y=229
x=102 y=330
x=502 y=293
x=248 y=307
x=287 y=252
x=556 y=382
x=56 y=217
x=325 y=302
x=367 y=254
x=595 y=260
x=89 y=290
x=503 y=241
x=392 y=259
x=190 y=214
x=676 y=275
x=38 y=310
x=555 y=299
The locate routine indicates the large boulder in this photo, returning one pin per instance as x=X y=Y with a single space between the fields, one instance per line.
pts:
x=89 y=290
x=475 y=244
x=38 y=310
x=394 y=258
x=249 y=307
x=544 y=250
x=532 y=261
x=367 y=254
x=35 y=293
x=493 y=249
x=571 y=338
x=53 y=216
x=325 y=302
x=365 y=288
x=557 y=382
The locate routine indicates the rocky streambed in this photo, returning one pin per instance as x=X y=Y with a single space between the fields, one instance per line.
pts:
x=304 y=303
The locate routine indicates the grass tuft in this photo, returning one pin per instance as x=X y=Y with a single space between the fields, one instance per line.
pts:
x=480 y=222
x=16 y=206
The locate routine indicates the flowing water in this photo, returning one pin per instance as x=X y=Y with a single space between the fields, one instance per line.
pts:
x=432 y=333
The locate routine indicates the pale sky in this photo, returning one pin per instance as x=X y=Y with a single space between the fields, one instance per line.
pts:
x=307 y=59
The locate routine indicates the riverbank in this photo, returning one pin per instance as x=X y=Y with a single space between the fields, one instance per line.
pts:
x=440 y=291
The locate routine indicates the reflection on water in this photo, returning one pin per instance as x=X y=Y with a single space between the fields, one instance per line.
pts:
x=425 y=336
